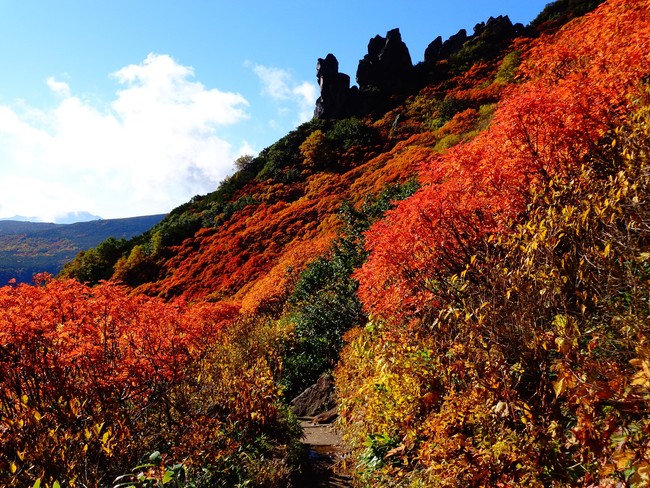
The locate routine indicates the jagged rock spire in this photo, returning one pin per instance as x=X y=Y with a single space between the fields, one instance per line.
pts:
x=387 y=64
x=334 y=89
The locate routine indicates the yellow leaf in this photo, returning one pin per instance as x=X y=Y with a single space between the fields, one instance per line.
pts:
x=12 y=467
x=501 y=409
x=558 y=387
x=640 y=379
x=622 y=459
x=75 y=406
x=641 y=476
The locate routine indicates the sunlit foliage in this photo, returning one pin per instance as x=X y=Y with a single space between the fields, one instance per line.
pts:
x=93 y=380
x=509 y=295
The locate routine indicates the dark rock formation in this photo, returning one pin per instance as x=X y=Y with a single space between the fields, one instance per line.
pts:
x=496 y=29
x=438 y=50
x=333 y=102
x=387 y=65
x=316 y=399
x=386 y=73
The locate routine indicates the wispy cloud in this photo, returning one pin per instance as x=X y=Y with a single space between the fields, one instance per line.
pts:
x=279 y=85
x=153 y=146
x=306 y=94
x=275 y=81
x=58 y=87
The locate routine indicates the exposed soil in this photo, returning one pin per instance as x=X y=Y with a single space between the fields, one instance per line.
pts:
x=325 y=453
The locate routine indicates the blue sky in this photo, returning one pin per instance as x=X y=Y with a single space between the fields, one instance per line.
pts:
x=131 y=107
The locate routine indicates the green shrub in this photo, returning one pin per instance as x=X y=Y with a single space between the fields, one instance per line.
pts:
x=324 y=304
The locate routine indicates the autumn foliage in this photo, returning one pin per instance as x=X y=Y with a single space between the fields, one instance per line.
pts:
x=542 y=128
x=93 y=380
x=509 y=325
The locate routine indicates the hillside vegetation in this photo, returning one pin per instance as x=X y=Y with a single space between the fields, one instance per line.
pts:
x=471 y=260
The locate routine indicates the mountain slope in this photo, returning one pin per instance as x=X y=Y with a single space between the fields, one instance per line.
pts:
x=508 y=295
x=280 y=210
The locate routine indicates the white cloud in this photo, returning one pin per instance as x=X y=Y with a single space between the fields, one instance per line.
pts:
x=279 y=85
x=275 y=81
x=306 y=94
x=58 y=87
x=153 y=147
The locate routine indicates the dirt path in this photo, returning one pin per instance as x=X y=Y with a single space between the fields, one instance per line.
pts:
x=325 y=450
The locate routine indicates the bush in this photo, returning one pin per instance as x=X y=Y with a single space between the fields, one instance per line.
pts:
x=93 y=380
x=529 y=371
x=347 y=133
x=508 y=68
x=285 y=153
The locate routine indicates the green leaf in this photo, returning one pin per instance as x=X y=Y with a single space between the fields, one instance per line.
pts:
x=167 y=477
x=155 y=457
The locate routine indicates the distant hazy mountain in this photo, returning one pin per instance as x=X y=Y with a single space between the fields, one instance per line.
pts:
x=73 y=217
x=27 y=248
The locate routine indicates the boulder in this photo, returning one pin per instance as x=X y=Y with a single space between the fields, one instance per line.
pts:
x=316 y=399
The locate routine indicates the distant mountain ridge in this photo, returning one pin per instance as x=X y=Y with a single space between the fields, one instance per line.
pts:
x=11 y=226
x=27 y=248
x=68 y=218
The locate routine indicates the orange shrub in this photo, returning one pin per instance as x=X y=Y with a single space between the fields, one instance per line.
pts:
x=82 y=371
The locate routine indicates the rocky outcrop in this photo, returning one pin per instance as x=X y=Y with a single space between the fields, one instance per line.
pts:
x=494 y=31
x=387 y=65
x=438 y=50
x=316 y=399
x=498 y=29
x=333 y=102
x=387 y=70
